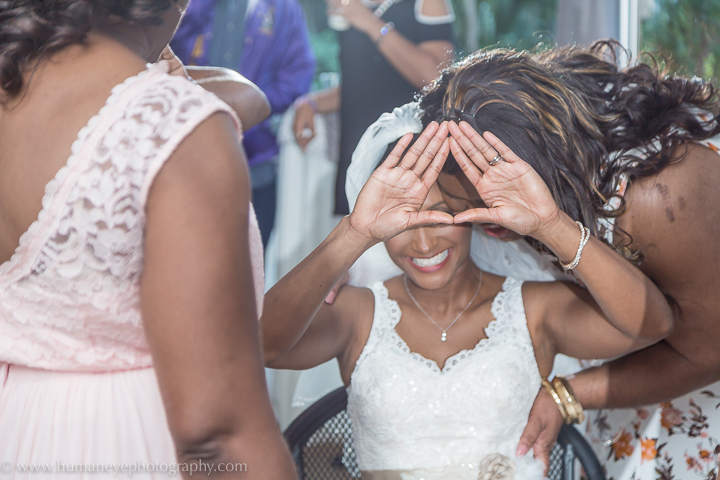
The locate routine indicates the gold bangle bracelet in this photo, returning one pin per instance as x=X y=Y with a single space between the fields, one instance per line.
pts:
x=565 y=392
x=557 y=400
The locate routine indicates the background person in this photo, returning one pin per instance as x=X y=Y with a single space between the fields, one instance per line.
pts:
x=391 y=50
x=132 y=262
x=634 y=155
x=267 y=42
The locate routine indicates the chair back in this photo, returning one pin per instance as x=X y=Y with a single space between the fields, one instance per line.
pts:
x=320 y=441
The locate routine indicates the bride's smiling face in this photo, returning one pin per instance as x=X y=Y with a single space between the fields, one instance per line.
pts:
x=432 y=256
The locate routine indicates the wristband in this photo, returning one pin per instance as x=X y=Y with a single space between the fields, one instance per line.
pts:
x=309 y=100
x=556 y=398
x=387 y=28
x=584 y=237
x=567 y=396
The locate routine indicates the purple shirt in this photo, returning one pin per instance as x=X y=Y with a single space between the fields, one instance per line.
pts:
x=276 y=57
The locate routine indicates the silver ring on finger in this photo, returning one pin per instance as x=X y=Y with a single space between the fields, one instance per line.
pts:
x=495 y=160
x=304 y=133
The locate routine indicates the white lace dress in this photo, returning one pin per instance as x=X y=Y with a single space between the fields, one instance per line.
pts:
x=413 y=421
x=78 y=394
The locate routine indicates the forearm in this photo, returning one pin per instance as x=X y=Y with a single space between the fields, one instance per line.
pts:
x=628 y=299
x=655 y=374
x=259 y=453
x=292 y=303
x=327 y=100
x=246 y=99
x=416 y=65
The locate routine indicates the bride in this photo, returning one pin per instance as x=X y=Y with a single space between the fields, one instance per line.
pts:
x=442 y=363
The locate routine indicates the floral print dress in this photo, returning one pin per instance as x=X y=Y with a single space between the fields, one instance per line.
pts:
x=677 y=440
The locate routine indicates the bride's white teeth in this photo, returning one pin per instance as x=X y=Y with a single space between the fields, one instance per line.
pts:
x=432 y=261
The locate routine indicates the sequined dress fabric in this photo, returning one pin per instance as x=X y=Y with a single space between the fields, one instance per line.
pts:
x=413 y=417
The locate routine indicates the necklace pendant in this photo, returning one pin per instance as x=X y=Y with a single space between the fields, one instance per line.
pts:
x=443 y=337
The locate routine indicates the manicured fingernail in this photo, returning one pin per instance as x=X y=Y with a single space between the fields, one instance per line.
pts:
x=521 y=450
x=330 y=297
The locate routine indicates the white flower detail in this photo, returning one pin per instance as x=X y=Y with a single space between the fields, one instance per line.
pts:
x=496 y=467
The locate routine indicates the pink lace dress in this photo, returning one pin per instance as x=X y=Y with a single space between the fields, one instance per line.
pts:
x=77 y=387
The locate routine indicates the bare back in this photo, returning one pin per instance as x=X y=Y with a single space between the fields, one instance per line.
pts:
x=38 y=128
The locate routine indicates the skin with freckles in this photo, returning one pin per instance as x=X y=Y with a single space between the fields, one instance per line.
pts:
x=671 y=217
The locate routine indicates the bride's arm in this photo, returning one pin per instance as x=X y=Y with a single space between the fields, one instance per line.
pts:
x=388 y=204
x=621 y=311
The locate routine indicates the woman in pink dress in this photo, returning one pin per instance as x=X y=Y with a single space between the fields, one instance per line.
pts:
x=130 y=258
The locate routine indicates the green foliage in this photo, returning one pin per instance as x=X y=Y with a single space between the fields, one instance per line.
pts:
x=687 y=34
x=325 y=45
x=510 y=23
x=515 y=23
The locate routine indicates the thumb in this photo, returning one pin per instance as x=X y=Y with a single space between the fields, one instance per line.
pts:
x=529 y=436
x=429 y=217
x=477 y=215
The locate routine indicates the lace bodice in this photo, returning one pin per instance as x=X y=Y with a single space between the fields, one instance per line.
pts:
x=409 y=414
x=69 y=296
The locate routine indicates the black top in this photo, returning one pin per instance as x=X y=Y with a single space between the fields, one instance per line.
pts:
x=371 y=86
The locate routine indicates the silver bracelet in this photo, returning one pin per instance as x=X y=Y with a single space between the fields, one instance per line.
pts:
x=387 y=28
x=585 y=236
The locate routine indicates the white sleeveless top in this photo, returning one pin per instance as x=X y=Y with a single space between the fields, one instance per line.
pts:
x=408 y=414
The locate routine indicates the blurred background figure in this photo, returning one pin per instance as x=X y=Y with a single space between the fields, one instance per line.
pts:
x=267 y=42
x=388 y=51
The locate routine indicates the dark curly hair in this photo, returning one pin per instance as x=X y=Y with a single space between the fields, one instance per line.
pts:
x=578 y=119
x=31 y=30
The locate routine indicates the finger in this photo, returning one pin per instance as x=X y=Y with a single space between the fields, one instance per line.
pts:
x=478 y=215
x=541 y=451
x=529 y=436
x=333 y=293
x=429 y=217
x=393 y=158
x=433 y=170
x=474 y=145
x=417 y=148
x=471 y=171
x=504 y=151
x=433 y=148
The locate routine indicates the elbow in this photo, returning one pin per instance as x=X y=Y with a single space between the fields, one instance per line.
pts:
x=661 y=325
x=667 y=326
x=270 y=351
x=199 y=436
x=252 y=107
x=270 y=357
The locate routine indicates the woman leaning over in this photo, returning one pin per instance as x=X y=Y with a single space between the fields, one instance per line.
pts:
x=633 y=154
x=132 y=269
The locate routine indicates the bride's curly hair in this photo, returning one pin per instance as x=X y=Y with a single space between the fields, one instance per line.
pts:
x=31 y=30
x=578 y=119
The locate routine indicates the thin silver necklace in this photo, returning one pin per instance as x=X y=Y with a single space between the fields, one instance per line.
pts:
x=443 y=335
